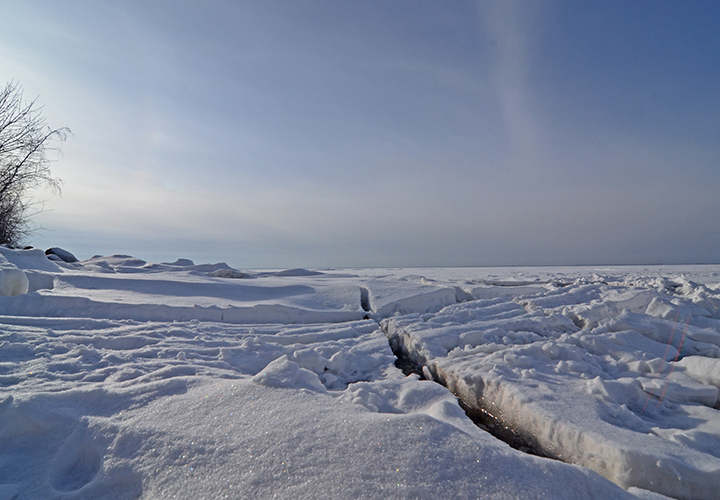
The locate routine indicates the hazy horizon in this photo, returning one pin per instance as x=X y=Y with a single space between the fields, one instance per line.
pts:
x=279 y=134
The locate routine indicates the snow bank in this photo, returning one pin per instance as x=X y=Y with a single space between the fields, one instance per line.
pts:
x=123 y=287
x=38 y=270
x=31 y=259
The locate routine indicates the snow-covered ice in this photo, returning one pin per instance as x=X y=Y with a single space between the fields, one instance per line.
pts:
x=618 y=373
x=126 y=379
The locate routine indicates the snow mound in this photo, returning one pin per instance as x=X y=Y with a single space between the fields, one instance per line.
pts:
x=31 y=259
x=55 y=253
x=285 y=373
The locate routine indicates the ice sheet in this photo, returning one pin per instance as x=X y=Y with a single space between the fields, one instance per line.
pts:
x=613 y=374
x=126 y=379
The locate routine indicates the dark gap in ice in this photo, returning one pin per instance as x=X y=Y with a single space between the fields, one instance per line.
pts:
x=404 y=362
x=408 y=367
x=489 y=423
x=480 y=417
x=365 y=299
x=580 y=323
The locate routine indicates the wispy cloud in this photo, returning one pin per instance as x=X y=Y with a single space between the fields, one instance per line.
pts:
x=508 y=28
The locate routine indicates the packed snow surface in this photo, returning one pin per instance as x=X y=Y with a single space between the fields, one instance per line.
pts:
x=125 y=379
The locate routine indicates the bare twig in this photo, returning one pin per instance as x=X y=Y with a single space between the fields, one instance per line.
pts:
x=25 y=140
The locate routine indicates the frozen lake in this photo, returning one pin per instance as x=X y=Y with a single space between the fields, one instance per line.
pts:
x=126 y=379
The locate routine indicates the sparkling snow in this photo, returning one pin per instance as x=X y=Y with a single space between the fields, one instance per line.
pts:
x=126 y=379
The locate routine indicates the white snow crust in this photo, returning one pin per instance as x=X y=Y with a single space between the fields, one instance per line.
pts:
x=125 y=379
x=616 y=373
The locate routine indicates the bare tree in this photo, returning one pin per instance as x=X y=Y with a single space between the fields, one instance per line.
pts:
x=25 y=140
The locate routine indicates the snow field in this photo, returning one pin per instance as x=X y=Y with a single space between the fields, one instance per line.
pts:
x=124 y=379
x=124 y=409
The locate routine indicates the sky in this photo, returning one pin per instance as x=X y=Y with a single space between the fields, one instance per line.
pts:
x=271 y=134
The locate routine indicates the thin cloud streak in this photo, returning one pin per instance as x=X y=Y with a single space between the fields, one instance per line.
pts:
x=508 y=25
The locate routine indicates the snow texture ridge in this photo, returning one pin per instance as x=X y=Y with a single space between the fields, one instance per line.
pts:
x=592 y=374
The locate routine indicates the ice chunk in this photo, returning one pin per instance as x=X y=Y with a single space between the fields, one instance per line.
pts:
x=681 y=389
x=389 y=297
x=704 y=370
x=13 y=281
x=586 y=396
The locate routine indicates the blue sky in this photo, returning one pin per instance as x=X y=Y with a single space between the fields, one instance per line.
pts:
x=375 y=133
